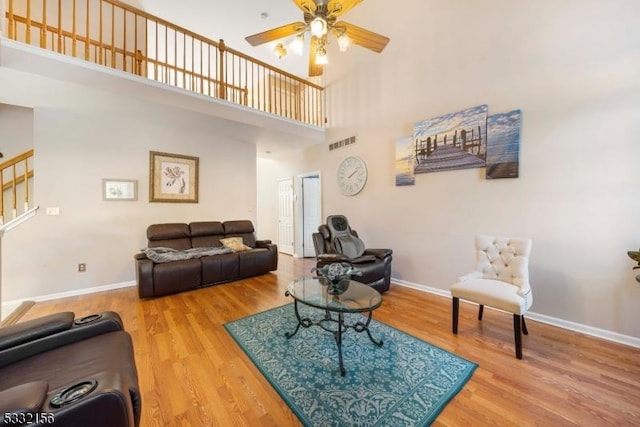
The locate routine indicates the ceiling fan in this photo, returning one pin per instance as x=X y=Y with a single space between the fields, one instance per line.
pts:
x=320 y=18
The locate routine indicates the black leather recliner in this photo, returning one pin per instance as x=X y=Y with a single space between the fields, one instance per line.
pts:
x=335 y=241
x=62 y=371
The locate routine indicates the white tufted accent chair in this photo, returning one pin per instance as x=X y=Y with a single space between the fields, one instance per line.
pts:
x=500 y=280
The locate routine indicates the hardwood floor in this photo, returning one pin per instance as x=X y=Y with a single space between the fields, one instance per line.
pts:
x=192 y=373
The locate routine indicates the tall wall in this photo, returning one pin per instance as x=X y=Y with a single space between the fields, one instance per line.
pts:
x=82 y=135
x=16 y=136
x=572 y=67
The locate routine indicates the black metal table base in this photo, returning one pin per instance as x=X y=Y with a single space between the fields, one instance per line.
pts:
x=339 y=327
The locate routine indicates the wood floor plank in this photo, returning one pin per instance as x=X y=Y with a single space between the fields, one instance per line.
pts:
x=192 y=373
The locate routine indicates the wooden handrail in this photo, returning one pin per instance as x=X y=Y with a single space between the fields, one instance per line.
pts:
x=14 y=181
x=199 y=76
x=135 y=41
x=15 y=160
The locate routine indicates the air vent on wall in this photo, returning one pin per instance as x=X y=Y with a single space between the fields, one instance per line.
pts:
x=342 y=143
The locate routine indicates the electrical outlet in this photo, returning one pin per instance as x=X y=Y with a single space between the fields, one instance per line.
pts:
x=82 y=267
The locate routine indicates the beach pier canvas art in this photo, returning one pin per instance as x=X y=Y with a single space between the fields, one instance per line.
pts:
x=503 y=149
x=453 y=141
x=405 y=161
x=465 y=139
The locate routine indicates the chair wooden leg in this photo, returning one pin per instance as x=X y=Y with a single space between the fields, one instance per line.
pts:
x=480 y=311
x=517 y=323
x=456 y=307
x=524 y=326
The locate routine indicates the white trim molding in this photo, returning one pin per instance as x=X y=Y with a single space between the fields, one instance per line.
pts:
x=543 y=318
x=19 y=219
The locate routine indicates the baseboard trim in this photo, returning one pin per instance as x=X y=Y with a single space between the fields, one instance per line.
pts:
x=10 y=306
x=543 y=318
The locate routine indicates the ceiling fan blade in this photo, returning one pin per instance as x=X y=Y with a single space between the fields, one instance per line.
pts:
x=361 y=37
x=275 y=33
x=337 y=8
x=314 y=69
x=307 y=6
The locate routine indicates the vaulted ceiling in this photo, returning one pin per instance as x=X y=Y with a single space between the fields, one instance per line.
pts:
x=232 y=21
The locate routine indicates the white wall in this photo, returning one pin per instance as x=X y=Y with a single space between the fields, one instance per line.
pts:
x=16 y=137
x=16 y=130
x=86 y=135
x=572 y=67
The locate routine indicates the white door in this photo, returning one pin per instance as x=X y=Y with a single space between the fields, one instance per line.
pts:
x=311 y=212
x=285 y=216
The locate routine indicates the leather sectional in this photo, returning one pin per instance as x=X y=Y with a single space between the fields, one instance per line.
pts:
x=157 y=279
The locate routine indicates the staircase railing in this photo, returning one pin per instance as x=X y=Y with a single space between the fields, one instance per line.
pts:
x=116 y=35
x=14 y=181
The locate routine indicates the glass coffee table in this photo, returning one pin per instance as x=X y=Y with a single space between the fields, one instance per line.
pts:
x=335 y=300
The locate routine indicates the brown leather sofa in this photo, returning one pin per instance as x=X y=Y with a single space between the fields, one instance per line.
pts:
x=156 y=279
x=62 y=371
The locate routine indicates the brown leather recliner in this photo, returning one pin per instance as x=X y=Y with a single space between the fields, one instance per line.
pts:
x=61 y=371
x=337 y=242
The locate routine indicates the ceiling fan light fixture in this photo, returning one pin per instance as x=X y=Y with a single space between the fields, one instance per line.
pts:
x=280 y=50
x=318 y=26
x=311 y=34
x=343 y=42
x=297 y=44
x=321 y=56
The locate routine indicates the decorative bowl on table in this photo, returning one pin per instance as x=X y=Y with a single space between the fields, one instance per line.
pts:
x=337 y=276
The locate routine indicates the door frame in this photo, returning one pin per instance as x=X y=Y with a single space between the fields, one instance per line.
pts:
x=281 y=248
x=298 y=210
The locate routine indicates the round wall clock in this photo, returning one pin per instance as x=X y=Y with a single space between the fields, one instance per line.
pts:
x=352 y=176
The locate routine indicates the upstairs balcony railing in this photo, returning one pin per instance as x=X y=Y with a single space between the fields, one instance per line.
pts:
x=15 y=177
x=116 y=35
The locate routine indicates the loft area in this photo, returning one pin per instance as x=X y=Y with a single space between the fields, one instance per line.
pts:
x=118 y=36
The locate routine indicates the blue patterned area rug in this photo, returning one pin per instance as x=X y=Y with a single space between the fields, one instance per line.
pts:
x=406 y=382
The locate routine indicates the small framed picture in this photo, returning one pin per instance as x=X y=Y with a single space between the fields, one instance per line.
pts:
x=119 y=190
x=173 y=178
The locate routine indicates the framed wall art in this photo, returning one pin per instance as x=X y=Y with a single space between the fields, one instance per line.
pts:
x=503 y=145
x=453 y=141
x=405 y=161
x=173 y=178
x=119 y=190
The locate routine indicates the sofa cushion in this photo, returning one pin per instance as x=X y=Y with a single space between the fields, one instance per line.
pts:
x=206 y=234
x=255 y=262
x=235 y=244
x=219 y=268
x=176 y=276
x=241 y=228
x=171 y=235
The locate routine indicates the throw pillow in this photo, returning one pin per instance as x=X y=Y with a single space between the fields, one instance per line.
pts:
x=235 y=244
